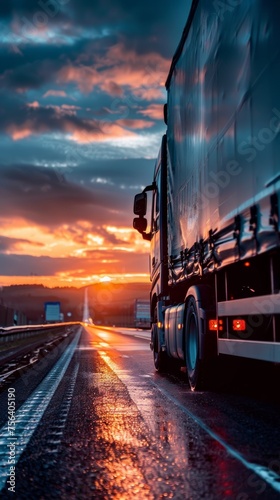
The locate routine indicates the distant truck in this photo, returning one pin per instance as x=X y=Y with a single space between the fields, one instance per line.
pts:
x=214 y=221
x=142 y=317
x=52 y=312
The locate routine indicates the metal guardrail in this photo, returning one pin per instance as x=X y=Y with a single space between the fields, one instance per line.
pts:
x=11 y=333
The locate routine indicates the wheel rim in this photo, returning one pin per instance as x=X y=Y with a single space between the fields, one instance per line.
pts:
x=155 y=346
x=193 y=342
x=155 y=357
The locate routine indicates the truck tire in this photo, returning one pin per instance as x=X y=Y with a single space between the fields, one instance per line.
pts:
x=192 y=341
x=160 y=357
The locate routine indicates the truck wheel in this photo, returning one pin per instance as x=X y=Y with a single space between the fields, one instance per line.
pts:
x=193 y=363
x=160 y=358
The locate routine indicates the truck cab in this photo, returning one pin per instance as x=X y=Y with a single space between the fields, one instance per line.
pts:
x=157 y=230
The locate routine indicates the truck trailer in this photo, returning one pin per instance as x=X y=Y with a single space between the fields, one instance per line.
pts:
x=142 y=317
x=52 y=312
x=213 y=224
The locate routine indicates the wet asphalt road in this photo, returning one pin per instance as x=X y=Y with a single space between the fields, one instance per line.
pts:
x=115 y=429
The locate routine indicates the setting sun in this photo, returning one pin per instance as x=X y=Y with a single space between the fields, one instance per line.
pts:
x=105 y=279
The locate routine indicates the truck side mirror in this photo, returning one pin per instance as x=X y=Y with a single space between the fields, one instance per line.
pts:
x=140 y=223
x=140 y=205
x=165 y=113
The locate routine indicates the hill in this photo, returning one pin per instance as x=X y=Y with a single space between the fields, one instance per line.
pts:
x=109 y=303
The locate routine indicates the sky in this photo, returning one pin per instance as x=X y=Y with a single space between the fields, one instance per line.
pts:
x=82 y=86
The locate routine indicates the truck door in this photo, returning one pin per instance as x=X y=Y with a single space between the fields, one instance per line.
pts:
x=155 y=257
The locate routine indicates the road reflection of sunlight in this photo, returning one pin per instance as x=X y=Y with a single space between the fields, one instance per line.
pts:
x=163 y=426
x=167 y=449
x=180 y=448
x=121 y=440
x=104 y=344
x=103 y=335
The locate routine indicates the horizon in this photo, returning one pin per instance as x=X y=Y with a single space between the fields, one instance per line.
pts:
x=95 y=283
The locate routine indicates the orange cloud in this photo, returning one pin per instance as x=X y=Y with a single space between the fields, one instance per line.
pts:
x=80 y=130
x=118 y=69
x=76 y=253
x=155 y=111
x=34 y=104
x=70 y=107
x=64 y=109
x=150 y=94
x=106 y=131
x=85 y=77
x=20 y=132
x=137 y=124
x=55 y=93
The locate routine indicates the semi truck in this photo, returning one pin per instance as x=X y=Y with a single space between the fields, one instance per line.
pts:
x=211 y=212
x=142 y=318
x=52 y=312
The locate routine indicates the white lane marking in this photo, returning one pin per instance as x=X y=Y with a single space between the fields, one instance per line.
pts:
x=54 y=437
x=139 y=336
x=124 y=346
x=268 y=475
x=129 y=347
x=30 y=413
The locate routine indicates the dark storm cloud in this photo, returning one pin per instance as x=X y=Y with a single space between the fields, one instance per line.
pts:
x=33 y=151
x=9 y=244
x=41 y=196
x=40 y=118
x=28 y=70
x=100 y=12
x=34 y=65
x=45 y=197
x=79 y=235
x=140 y=24
x=6 y=9
x=33 y=11
x=19 y=120
x=25 y=265
x=123 y=174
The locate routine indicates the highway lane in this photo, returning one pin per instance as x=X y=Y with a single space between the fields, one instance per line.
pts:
x=109 y=427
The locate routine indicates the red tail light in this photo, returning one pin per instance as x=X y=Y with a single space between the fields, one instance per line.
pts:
x=239 y=325
x=213 y=324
